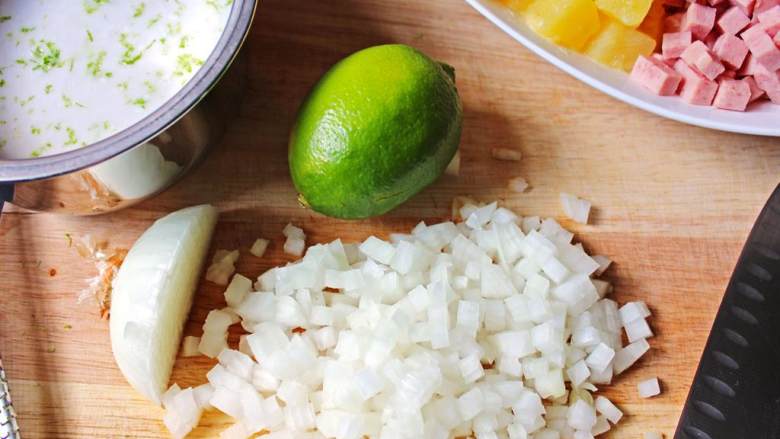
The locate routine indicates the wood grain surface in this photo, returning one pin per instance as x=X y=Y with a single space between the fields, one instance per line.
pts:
x=673 y=205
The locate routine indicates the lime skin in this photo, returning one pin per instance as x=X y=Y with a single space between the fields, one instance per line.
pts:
x=378 y=127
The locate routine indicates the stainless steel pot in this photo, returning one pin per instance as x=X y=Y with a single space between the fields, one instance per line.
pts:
x=149 y=156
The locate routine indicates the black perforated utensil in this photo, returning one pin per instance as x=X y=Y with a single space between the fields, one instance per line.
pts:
x=736 y=390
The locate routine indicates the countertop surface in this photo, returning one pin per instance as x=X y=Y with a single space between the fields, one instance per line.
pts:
x=673 y=205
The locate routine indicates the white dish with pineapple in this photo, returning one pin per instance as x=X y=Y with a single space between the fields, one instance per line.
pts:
x=763 y=117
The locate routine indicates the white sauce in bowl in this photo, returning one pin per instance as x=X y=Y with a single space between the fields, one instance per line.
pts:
x=73 y=72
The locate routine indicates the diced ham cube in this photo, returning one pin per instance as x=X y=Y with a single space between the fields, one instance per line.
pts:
x=698 y=55
x=746 y=6
x=749 y=66
x=656 y=76
x=732 y=95
x=699 y=20
x=776 y=39
x=755 y=91
x=769 y=82
x=733 y=20
x=710 y=39
x=753 y=22
x=762 y=47
x=770 y=20
x=696 y=88
x=764 y=5
x=674 y=43
x=731 y=50
x=673 y=23
x=659 y=57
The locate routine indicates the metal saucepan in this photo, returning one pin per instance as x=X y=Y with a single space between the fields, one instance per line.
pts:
x=149 y=156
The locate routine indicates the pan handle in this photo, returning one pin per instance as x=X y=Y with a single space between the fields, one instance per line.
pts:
x=6 y=194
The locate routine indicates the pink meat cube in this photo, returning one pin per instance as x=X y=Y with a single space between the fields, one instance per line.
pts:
x=699 y=20
x=777 y=39
x=733 y=20
x=731 y=50
x=696 y=89
x=762 y=47
x=673 y=23
x=659 y=57
x=764 y=5
x=749 y=66
x=755 y=91
x=697 y=55
x=674 y=43
x=656 y=76
x=769 y=82
x=746 y=6
x=770 y=20
x=710 y=39
x=732 y=95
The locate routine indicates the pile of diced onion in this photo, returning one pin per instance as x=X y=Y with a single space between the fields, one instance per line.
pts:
x=495 y=327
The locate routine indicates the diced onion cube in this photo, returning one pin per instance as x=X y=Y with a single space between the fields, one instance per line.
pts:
x=222 y=266
x=581 y=416
x=182 y=414
x=632 y=311
x=575 y=208
x=507 y=154
x=237 y=290
x=471 y=368
x=368 y=383
x=259 y=247
x=189 y=346
x=470 y=404
x=600 y=358
x=291 y=231
x=602 y=426
x=378 y=250
x=517 y=184
x=294 y=246
x=638 y=329
x=608 y=409
x=649 y=388
x=578 y=373
x=604 y=263
x=629 y=355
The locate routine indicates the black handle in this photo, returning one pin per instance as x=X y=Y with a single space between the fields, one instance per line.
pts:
x=6 y=194
x=736 y=390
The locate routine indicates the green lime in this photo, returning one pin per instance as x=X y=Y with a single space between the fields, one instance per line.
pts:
x=379 y=126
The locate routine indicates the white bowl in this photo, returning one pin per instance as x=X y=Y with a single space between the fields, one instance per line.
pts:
x=762 y=118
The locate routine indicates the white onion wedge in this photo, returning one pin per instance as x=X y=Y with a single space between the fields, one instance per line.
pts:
x=152 y=295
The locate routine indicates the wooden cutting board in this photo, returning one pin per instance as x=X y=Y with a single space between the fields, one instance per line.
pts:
x=673 y=205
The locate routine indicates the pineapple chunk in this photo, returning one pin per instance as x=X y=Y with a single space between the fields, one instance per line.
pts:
x=619 y=46
x=629 y=12
x=516 y=5
x=569 y=23
x=653 y=24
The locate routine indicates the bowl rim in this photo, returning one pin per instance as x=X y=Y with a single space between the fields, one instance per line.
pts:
x=221 y=57
x=611 y=90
